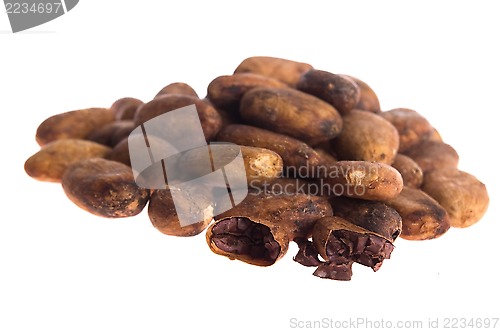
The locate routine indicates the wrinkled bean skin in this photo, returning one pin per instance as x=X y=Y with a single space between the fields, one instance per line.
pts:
x=120 y=153
x=342 y=243
x=412 y=127
x=361 y=179
x=368 y=100
x=225 y=92
x=292 y=214
x=177 y=88
x=163 y=215
x=246 y=239
x=261 y=165
x=125 y=108
x=284 y=70
x=295 y=153
x=326 y=156
x=104 y=188
x=461 y=194
x=373 y=216
x=50 y=163
x=283 y=217
x=112 y=133
x=368 y=137
x=337 y=90
x=291 y=112
x=210 y=119
x=431 y=155
x=410 y=171
x=74 y=124
x=422 y=216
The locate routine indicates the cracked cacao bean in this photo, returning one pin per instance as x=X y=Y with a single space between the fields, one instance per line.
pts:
x=293 y=214
x=249 y=240
x=374 y=216
x=341 y=243
x=268 y=222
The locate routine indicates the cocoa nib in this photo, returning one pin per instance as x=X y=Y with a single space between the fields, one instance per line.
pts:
x=307 y=254
x=340 y=269
x=343 y=249
x=335 y=271
x=366 y=249
x=241 y=236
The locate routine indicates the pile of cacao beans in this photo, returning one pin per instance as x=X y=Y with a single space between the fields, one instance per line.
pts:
x=325 y=168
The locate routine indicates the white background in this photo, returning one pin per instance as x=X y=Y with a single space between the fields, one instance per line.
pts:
x=62 y=269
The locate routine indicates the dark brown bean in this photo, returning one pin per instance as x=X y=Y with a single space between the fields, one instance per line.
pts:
x=261 y=166
x=410 y=171
x=461 y=194
x=258 y=230
x=50 y=163
x=284 y=70
x=412 y=127
x=423 y=218
x=125 y=108
x=360 y=179
x=326 y=156
x=373 y=216
x=368 y=100
x=74 y=124
x=177 y=88
x=210 y=119
x=368 y=137
x=104 y=188
x=296 y=155
x=337 y=90
x=248 y=240
x=294 y=214
x=341 y=243
x=120 y=153
x=112 y=133
x=163 y=214
x=225 y=92
x=431 y=155
x=291 y=112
